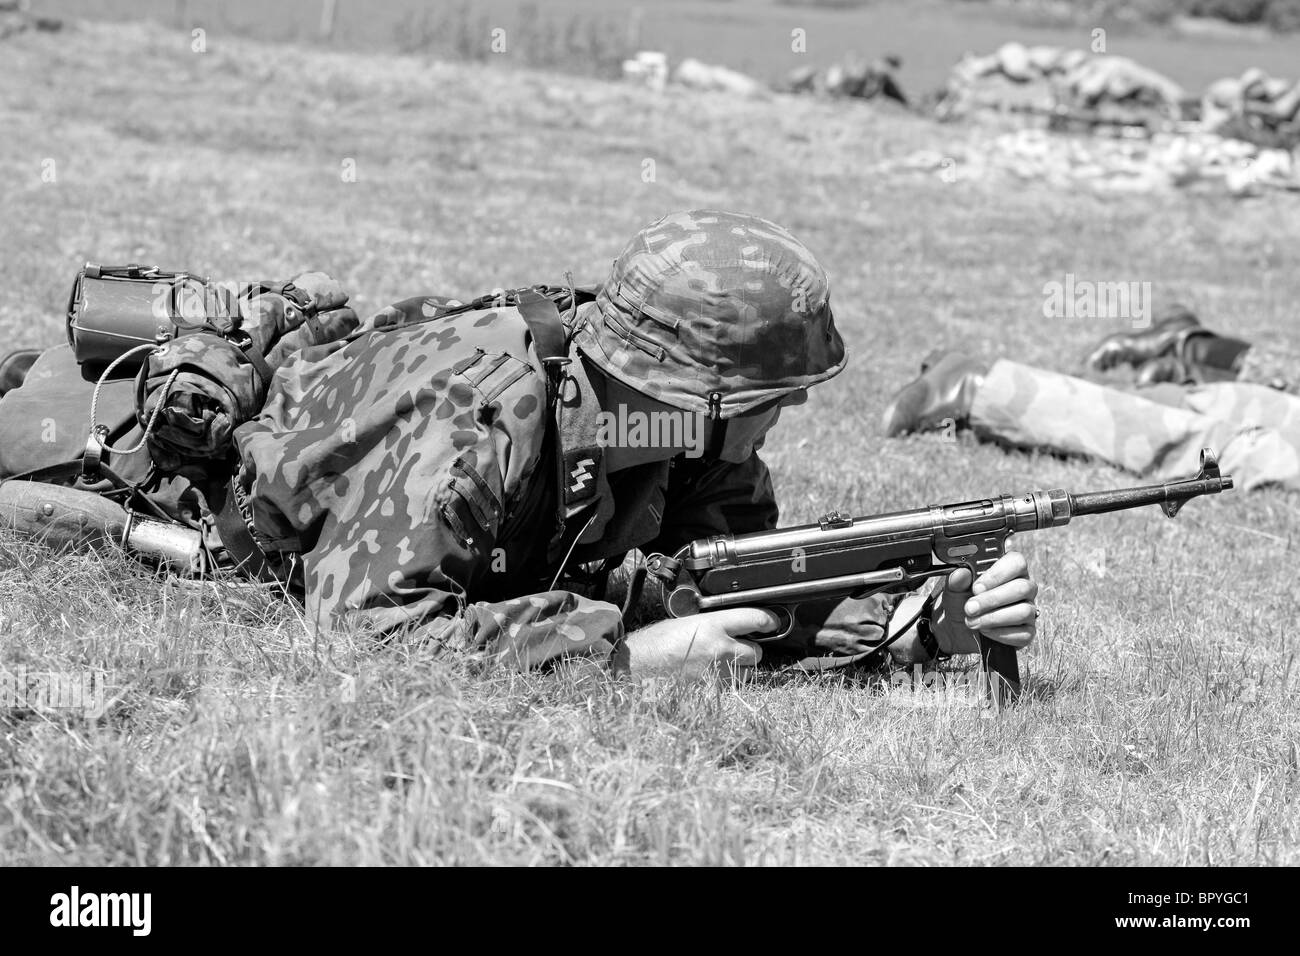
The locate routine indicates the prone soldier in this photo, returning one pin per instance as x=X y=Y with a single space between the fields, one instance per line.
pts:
x=445 y=472
x=1195 y=388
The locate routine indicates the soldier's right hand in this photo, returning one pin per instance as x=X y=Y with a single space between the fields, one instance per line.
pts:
x=700 y=644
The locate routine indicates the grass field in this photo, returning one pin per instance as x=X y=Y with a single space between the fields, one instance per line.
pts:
x=1160 y=725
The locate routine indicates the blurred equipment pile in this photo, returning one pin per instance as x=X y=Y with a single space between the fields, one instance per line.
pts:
x=1164 y=161
x=853 y=77
x=1254 y=107
x=15 y=17
x=650 y=68
x=1070 y=87
x=1143 y=132
x=707 y=76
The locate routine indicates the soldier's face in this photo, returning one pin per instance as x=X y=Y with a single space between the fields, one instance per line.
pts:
x=635 y=429
x=745 y=434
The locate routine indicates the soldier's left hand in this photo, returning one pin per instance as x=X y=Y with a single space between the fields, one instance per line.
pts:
x=999 y=605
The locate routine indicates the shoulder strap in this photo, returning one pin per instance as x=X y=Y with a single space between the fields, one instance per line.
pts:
x=551 y=343
x=568 y=297
x=550 y=337
x=574 y=465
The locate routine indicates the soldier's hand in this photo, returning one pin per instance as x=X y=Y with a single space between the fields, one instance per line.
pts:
x=999 y=605
x=701 y=644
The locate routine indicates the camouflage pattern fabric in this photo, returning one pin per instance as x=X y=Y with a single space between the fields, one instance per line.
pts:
x=1156 y=433
x=217 y=386
x=402 y=467
x=412 y=470
x=707 y=303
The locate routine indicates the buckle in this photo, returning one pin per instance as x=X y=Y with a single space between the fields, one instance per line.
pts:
x=93 y=456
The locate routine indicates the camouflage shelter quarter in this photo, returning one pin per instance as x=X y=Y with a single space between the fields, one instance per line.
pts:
x=714 y=312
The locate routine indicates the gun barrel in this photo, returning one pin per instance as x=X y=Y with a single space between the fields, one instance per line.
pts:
x=1170 y=494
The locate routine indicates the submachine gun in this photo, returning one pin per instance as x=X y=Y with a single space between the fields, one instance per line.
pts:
x=842 y=556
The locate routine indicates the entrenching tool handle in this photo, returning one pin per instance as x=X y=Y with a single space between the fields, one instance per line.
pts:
x=62 y=516
x=58 y=515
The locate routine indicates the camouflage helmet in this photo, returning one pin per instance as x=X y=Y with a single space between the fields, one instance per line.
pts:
x=714 y=312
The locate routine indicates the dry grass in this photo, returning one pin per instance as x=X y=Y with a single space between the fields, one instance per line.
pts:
x=1161 y=727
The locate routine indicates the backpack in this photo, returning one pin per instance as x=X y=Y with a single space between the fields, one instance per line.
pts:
x=149 y=433
x=93 y=428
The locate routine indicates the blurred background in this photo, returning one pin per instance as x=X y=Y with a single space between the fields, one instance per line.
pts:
x=1193 y=41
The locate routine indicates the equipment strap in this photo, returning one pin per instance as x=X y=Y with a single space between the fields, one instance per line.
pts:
x=69 y=471
x=550 y=338
x=551 y=344
x=237 y=538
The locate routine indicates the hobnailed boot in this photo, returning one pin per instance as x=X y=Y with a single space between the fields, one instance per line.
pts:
x=1167 y=368
x=942 y=392
x=1138 y=348
x=1217 y=356
x=14 y=368
x=1198 y=356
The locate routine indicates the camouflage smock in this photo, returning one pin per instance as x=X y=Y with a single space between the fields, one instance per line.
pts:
x=412 y=471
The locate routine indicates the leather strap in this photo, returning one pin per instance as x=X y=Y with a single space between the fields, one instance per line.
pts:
x=914 y=609
x=552 y=347
x=259 y=363
x=929 y=643
x=238 y=540
x=68 y=471
x=550 y=339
